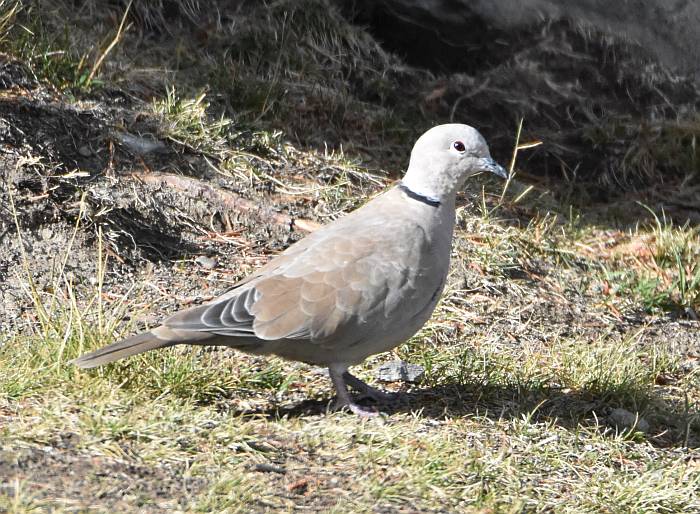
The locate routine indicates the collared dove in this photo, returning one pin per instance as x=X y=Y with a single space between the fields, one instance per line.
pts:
x=358 y=286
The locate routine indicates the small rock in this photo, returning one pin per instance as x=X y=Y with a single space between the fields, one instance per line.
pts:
x=399 y=370
x=622 y=418
x=264 y=467
x=690 y=365
x=85 y=151
x=140 y=145
x=206 y=262
x=665 y=379
x=209 y=424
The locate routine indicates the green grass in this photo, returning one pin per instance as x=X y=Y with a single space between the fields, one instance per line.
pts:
x=187 y=122
x=48 y=53
x=496 y=425
x=661 y=272
x=654 y=266
x=408 y=461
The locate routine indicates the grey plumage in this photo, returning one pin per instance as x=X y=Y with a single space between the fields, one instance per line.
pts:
x=358 y=286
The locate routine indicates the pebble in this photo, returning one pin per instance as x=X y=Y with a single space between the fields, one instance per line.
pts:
x=622 y=418
x=140 y=145
x=206 y=262
x=399 y=371
x=264 y=467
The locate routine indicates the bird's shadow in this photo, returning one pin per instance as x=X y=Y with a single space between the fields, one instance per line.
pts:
x=571 y=409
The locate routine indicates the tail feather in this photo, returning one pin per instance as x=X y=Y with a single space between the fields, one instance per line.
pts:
x=131 y=346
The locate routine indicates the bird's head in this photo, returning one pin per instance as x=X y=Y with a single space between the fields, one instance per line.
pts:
x=444 y=157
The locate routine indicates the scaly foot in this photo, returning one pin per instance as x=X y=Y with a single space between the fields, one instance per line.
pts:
x=367 y=391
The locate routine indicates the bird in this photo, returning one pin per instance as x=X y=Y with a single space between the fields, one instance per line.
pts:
x=358 y=286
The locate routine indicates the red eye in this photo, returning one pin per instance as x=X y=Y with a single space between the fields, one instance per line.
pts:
x=459 y=146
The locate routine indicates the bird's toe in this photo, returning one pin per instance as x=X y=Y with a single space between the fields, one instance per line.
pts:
x=357 y=409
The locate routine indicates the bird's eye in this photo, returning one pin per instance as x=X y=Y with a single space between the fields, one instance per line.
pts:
x=459 y=146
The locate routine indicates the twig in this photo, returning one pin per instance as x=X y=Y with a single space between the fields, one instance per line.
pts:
x=114 y=42
x=226 y=199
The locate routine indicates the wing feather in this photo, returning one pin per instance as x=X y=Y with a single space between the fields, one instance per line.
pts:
x=325 y=286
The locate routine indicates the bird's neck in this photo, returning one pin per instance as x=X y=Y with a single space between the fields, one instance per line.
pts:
x=427 y=200
x=438 y=187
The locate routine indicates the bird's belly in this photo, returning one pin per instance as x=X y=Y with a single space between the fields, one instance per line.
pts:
x=383 y=342
x=352 y=350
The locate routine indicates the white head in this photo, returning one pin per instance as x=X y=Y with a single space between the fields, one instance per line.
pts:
x=444 y=157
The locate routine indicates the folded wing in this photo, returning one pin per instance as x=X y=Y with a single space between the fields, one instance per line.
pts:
x=321 y=290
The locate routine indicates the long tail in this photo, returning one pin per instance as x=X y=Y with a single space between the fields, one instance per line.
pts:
x=131 y=346
x=161 y=337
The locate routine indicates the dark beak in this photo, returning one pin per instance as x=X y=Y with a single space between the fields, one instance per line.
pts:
x=488 y=164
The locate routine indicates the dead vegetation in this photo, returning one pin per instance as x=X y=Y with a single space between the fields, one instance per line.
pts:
x=561 y=366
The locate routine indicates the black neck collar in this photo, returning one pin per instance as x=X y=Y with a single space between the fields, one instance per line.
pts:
x=427 y=200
